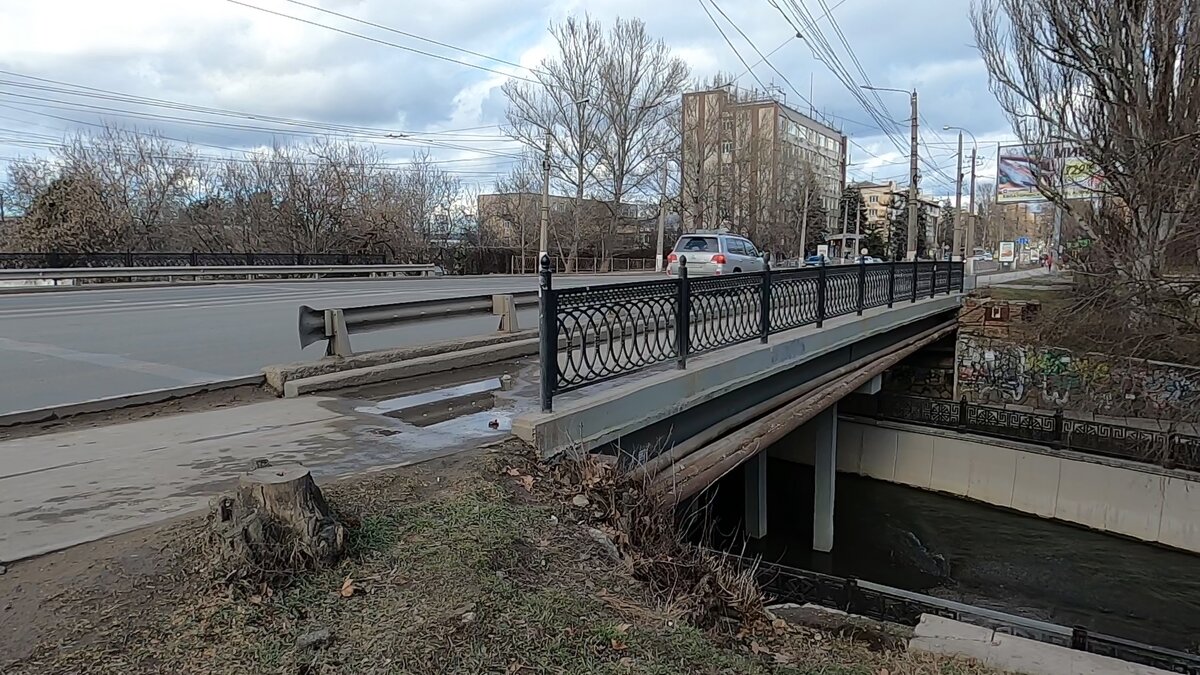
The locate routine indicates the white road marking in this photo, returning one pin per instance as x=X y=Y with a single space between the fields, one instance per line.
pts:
x=175 y=373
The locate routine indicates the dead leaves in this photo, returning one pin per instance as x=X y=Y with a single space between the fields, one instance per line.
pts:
x=525 y=480
x=348 y=587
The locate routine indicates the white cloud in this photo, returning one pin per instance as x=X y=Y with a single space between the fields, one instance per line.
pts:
x=219 y=54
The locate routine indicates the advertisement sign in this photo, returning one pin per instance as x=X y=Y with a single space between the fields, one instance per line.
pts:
x=1020 y=169
x=823 y=250
x=1008 y=251
x=1081 y=178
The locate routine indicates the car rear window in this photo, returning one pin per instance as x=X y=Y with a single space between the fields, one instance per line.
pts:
x=698 y=245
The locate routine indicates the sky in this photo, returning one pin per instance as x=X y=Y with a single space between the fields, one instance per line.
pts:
x=228 y=55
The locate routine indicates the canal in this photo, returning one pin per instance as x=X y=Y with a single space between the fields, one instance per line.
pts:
x=973 y=553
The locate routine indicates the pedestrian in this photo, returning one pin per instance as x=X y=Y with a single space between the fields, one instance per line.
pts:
x=1050 y=262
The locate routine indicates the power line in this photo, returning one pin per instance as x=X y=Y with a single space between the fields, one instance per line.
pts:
x=379 y=41
x=412 y=35
x=106 y=94
x=713 y=19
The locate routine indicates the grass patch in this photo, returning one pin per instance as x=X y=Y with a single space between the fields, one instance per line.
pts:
x=481 y=573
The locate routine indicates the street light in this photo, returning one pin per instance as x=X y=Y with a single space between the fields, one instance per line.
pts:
x=968 y=246
x=913 y=175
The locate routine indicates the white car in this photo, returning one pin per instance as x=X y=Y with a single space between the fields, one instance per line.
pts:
x=711 y=254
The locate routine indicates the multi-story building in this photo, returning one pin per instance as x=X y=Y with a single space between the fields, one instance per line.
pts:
x=877 y=197
x=751 y=163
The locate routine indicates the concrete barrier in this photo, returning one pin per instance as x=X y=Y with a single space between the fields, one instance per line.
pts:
x=1136 y=500
x=1011 y=654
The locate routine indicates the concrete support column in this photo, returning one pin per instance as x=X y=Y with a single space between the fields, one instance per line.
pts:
x=755 y=472
x=825 y=475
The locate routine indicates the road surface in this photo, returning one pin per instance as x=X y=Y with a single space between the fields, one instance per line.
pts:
x=70 y=346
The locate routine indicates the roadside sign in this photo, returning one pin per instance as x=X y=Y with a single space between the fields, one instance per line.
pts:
x=1008 y=251
x=823 y=250
x=1024 y=241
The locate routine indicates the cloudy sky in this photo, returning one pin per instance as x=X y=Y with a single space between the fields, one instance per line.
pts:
x=218 y=54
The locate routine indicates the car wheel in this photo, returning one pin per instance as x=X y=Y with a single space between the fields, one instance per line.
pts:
x=737 y=270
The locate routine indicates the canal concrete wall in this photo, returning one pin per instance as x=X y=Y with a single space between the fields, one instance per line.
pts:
x=1127 y=498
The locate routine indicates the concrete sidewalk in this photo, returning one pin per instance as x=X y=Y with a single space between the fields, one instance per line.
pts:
x=70 y=487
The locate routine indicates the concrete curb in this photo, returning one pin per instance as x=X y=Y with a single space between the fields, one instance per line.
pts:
x=279 y=376
x=413 y=367
x=124 y=401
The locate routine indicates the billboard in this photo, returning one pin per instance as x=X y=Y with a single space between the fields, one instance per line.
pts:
x=1020 y=169
x=1008 y=251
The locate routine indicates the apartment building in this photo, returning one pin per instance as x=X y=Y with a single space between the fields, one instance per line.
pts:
x=750 y=161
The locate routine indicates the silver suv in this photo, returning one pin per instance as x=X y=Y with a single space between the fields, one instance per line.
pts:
x=710 y=253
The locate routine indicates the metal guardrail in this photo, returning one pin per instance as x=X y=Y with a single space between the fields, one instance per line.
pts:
x=595 y=333
x=212 y=271
x=336 y=325
x=885 y=603
x=55 y=260
x=1165 y=448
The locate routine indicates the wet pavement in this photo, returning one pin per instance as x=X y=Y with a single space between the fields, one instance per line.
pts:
x=70 y=487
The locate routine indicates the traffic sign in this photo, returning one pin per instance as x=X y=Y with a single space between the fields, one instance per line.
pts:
x=1024 y=241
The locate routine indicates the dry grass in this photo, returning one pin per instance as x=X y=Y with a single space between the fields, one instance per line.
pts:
x=489 y=570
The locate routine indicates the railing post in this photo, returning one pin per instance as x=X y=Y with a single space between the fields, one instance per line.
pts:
x=547 y=333
x=914 y=280
x=862 y=283
x=764 y=302
x=129 y=258
x=683 y=315
x=1079 y=639
x=933 y=281
x=1059 y=436
x=194 y=259
x=962 y=414
x=821 y=293
x=891 y=284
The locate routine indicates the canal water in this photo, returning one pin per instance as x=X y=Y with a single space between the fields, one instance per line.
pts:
x=981 y=555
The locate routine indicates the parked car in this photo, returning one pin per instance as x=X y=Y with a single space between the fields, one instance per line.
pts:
x=867 y=259
x=715 y=253
x=817 y=260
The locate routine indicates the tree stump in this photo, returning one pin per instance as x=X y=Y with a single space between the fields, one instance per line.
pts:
x=277 y=522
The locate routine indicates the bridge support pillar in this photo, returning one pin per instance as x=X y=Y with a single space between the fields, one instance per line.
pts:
x=755 y=473
x=825 y=474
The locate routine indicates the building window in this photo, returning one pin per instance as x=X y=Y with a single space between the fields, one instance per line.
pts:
x=727 y=125
x=874 y=199
x=727 y=147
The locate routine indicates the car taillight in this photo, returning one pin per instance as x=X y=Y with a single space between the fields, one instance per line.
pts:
x=672 y=258
x=719 y=258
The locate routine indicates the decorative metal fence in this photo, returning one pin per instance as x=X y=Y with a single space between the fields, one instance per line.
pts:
x=24 y=261
x=595 y=333
x=1164 y=447
x=884 y=603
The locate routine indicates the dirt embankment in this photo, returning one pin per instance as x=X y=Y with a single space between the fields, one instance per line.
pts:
x=486 y=562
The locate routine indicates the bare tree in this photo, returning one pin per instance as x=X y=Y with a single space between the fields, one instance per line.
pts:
x=564 y=104
x=639 y=81
x=1115 y=82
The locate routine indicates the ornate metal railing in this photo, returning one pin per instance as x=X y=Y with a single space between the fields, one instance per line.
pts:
x=884 y=603
x=1164 y=447
x=591 y=334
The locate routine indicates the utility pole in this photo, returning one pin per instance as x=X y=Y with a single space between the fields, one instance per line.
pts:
x=958 y=224
x=544 y=240
x=845 y=223
x=662 y=222
x=858 y=229
x=912 y=183
x=804 y=228
x=969 y=244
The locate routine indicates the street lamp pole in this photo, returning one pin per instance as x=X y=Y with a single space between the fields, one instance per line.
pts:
x=913 y=171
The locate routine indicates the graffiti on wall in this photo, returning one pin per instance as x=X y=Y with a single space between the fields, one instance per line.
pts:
x=995 y=371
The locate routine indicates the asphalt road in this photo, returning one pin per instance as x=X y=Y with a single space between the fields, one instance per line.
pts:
x=70 y=346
